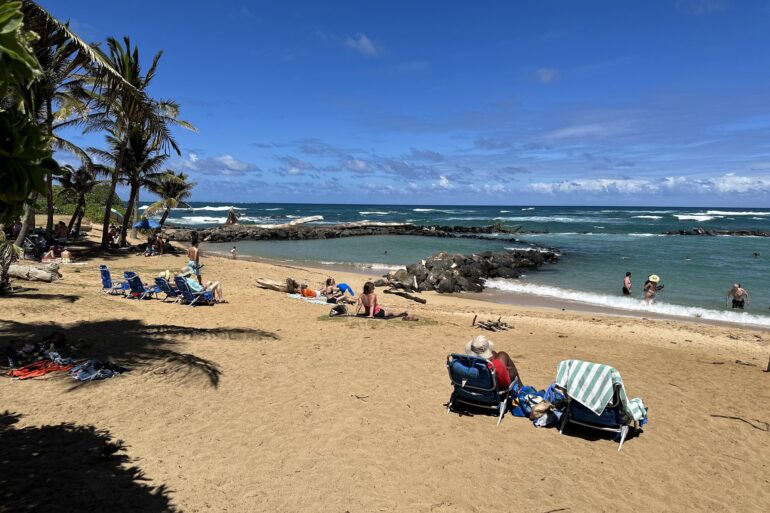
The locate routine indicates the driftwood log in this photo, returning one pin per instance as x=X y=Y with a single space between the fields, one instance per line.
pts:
x=49 y=273
x=491 y=325
x=406 y=295
x=265 y=283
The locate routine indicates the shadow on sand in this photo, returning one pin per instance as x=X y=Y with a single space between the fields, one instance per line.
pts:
x=67 y=467
x=133 y=344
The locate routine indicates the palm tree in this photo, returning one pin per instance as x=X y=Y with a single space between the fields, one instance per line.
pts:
x=173 y=189
x=124 y=112
x=141 y=161
x=70 y=53
x=75 y=185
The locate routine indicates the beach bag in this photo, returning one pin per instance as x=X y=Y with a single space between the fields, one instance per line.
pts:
x=524 y=401
x=338 y=310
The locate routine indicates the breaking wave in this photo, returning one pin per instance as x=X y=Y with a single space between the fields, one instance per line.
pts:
x=648 y=217
x=623 y=303
x=696 y=217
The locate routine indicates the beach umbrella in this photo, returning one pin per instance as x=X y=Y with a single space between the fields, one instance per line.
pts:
x=145 y=224
x=114 y=213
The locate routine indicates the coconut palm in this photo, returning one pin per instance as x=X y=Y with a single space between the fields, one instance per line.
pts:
x=173 y=189
x=125 y=112
x=141 y=162
x=76 y=184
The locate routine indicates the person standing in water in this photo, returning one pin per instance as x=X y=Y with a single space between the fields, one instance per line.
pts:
x=740 y=296
x=234 y=252
x=627 y=284
x=651 y=287
x=194 y=257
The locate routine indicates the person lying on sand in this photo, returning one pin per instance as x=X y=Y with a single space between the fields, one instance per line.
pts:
x=306 y=291
x=504 y=367
x=740 y=296
x=212 y=286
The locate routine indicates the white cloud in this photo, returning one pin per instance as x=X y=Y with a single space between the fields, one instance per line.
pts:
x=597 y=185
x=732 y=183
x=356 y=165
x=444 y=183
x=221 y=165
x=547 y=75
x=362 y=44
x=586 y=130
x=232 y=163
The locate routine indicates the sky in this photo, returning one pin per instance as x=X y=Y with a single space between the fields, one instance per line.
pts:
x=647 y=102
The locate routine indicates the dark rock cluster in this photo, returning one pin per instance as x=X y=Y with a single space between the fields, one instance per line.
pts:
x=445 y=272
x=231 y=233
x=713 y=233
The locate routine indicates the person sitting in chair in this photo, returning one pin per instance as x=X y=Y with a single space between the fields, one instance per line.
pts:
x=503 y=365
x=212 y=286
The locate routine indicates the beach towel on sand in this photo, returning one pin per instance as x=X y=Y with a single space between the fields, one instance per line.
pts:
x=313 y=300
x=593 y=384
x=37 y=369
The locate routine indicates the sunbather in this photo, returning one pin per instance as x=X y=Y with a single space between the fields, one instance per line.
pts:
x=502 y=363
x=306 y=291
x=336 y=293
x=212 y=286
x=368 y=302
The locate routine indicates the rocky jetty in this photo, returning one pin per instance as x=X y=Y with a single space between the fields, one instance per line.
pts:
x=697 y=230
x=236 y=232
x=446 y=272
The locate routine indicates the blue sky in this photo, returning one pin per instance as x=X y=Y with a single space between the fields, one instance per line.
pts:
x=650 y=102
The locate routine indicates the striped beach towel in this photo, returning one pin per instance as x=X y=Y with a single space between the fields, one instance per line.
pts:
x=593 y=385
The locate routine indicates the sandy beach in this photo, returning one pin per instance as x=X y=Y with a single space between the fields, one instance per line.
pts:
x=267 y=404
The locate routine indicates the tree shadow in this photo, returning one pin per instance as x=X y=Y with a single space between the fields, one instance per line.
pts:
x=23 y=294
x=132 y=343
x=67 y=467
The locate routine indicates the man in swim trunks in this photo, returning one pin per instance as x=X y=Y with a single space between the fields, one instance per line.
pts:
x=627 y=284
x=740 y=296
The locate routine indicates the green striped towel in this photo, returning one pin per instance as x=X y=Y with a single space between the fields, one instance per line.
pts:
x=593 y=384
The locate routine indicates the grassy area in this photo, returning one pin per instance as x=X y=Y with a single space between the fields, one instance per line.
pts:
x=95 y=201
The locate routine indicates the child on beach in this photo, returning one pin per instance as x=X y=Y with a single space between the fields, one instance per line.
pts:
x=234 y=252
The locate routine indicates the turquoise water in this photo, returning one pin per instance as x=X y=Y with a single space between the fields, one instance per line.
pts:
x=598 y=245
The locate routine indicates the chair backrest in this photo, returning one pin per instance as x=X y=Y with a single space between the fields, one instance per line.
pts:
x=106 y=277
x=184 y=289
x=134 y=283
x=165 y=286
x=471 y=372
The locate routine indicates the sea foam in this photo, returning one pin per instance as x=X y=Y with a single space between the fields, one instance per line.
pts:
x=632 y=304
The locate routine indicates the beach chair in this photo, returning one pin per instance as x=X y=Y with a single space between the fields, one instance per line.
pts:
x=475 y=384
x=137 y=289
x=192 y=298
x=167 y=289
x=108 y=286
x=596 y=398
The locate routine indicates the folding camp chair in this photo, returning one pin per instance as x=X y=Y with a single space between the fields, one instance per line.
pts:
x=108 y=286
x=475 y=383
x=138 y=290
x=192 y=298
x=597 y=399
x=166 y=288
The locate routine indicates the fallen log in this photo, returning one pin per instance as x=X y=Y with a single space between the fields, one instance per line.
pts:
x=406 y=295
x=265 y=283
x=49 y=273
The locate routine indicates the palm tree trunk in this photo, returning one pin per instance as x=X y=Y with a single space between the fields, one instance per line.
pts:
x=136 y=210
x=79 y=209
x=108 y=203
x=80 y=218
x=6 y=258
x=129 y=213
x=49 y=176
x=165 y=216
x=29 y=218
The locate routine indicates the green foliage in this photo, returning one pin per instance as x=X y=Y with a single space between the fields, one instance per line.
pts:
x=25 y=158
x=18 y=65
x=65 y=204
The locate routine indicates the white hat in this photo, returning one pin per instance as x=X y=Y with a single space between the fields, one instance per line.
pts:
x=166 y=275
x=480 y=346
x=185 y=271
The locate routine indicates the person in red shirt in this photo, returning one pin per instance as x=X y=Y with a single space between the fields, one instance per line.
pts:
x=505 y=369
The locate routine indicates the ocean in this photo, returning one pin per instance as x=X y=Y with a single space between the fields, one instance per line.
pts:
x=598 y=245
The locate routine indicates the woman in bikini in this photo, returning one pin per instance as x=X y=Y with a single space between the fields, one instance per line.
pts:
x=368 y=301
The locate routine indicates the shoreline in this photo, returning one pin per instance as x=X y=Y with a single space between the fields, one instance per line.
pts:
x=495 y=296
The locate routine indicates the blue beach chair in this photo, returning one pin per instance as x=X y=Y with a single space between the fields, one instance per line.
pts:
x=475 y=384
x=166 y=288
x=192 y=298
x=137 y=289
x=596 y=398
x=108 y=286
